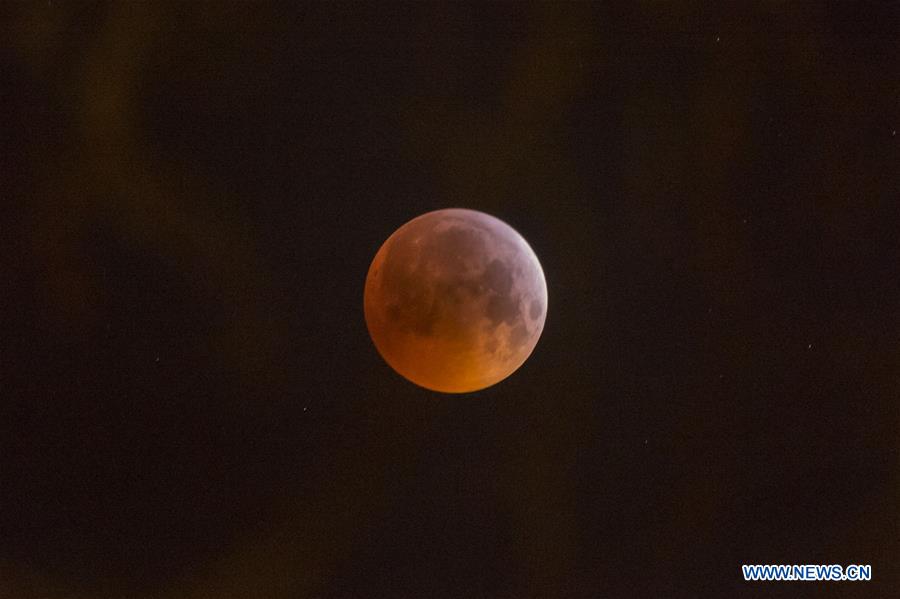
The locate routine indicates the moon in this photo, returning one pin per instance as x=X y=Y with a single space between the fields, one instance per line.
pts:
x=455 y=300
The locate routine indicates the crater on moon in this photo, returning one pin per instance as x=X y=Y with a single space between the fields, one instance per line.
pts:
x=455 y=300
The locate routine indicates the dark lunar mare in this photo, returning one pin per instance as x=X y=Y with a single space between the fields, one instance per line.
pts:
x=419 y=302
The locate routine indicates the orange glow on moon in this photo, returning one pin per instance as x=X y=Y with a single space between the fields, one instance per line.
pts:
x=455 y=300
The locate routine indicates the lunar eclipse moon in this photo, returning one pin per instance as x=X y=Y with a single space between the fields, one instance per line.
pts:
x=455 y=300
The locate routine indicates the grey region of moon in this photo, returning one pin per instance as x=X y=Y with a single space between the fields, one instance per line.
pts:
x=455 y=300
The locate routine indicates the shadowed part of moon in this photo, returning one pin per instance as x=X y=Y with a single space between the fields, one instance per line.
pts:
x=455 y=300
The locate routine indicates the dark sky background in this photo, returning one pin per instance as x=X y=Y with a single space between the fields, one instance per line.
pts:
x=190 y=404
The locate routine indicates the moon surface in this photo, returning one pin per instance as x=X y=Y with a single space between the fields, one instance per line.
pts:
x=455 y=300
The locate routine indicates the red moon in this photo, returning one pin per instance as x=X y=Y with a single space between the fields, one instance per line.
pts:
x=455 y=300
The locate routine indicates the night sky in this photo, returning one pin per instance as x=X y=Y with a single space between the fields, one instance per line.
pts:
x=190 y=197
